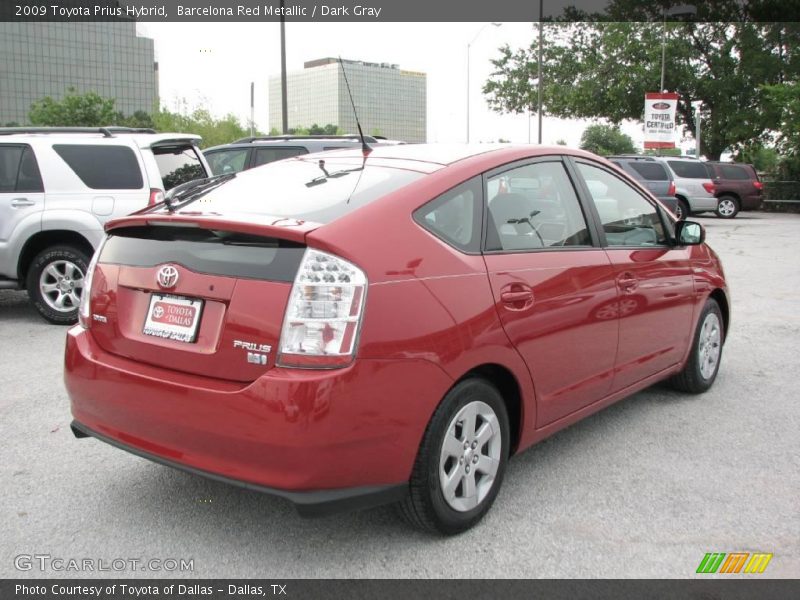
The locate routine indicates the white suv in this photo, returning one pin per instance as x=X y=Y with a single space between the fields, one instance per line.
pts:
x=693 y=185
x=59 y=185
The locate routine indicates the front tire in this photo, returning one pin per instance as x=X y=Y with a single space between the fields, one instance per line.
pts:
x=461 y=461
x=55 y=283
x=702 y=366
x=727 y=207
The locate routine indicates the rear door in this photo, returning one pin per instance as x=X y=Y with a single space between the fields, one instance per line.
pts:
x=21 y=200
x=653 y=277
x=229 y=160
x=194 y=300
x=268 y=154
x=553 y=286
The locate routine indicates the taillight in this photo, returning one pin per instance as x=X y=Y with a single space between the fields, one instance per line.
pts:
x=709 y=187
x=323 y=315
x=85 y=306
x=671 y=189
x=156 y=196
x=758 y=185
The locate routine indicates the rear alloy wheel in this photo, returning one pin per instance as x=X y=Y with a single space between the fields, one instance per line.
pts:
x=727 y=207
x=700 y=370
x=461 y=461
x=55 y=283
x=682 y=211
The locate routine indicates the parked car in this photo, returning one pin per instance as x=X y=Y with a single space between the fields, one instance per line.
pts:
x=693 y=186
x=653 y=175
x=737 y=187
x=250 y=152
x=345 y=330
x=58 y=186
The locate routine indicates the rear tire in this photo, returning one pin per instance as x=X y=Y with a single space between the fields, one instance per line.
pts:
x=727 y=207
x=682 y=211
x=55 y=283
x=702 y=366
x=461 y=460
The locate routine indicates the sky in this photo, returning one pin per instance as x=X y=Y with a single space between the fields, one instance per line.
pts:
x=211 y=65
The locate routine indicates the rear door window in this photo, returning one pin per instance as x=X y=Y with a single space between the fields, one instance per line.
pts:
x=268 y=155
x=103 y=167
x=733 y=172
x=178 y=164
x=689 y=169
x=650 y=171
x=533 y=207
x=10 y=157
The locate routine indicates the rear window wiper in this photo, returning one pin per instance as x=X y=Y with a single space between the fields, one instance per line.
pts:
x=324 y=178
x=185 y=193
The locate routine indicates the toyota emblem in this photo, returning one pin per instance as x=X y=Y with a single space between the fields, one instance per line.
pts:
x=167 y=276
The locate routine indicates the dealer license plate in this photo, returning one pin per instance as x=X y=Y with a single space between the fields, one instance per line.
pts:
x=173 y=317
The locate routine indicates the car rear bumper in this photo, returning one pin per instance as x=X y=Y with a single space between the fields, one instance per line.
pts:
x=326 y=440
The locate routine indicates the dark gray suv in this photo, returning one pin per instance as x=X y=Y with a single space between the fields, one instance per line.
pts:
x=250 y=152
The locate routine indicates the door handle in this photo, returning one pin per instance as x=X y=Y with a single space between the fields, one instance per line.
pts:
x=20 y=202
x=517 y=297
x=511 y=297
x=627 y=282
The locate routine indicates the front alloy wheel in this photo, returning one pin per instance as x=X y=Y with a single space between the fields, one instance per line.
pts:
x=461 y=461
x=702 y=366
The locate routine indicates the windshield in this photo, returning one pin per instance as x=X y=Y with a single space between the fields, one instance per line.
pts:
x=304 y=189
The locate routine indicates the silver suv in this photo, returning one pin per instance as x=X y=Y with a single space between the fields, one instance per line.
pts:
x=58 y=186
x=693 y=185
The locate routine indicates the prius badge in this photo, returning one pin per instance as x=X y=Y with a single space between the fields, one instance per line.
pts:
x=167 y=276
x=259 y=354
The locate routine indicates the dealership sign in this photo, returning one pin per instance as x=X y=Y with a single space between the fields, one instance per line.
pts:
x=659 y=119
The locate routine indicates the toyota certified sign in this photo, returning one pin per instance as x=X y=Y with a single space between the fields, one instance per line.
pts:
x=659 y=120
x=167 y=276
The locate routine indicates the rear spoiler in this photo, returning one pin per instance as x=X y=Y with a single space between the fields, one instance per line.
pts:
x=285 y=228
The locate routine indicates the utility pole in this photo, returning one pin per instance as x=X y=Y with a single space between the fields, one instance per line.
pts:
x=696 y=105
x=284 y=101
x=539 y=83
x=252 y=108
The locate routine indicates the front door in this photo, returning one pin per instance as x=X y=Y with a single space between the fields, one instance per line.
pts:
x=653 y=276
x=554 y=289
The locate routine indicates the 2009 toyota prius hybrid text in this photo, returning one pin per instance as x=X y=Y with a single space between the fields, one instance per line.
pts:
x=347 y=330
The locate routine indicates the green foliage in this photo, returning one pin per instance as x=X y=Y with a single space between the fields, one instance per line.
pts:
x=200 y=122
x=602 y=70
x=605 y=140
x=315 y=129
x=561 y=142
x=73 y=110
x=765 y=160
x=663 y=152
x=785 y=100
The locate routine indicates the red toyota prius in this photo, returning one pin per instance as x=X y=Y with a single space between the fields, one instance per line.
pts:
x=346 y=330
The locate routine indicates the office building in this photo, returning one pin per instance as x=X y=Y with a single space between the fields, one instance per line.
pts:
x=45 y=59
x=390 y=101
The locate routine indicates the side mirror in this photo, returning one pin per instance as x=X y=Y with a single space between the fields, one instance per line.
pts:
x=689 y=233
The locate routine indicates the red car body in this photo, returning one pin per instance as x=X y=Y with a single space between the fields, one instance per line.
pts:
x=560 y=333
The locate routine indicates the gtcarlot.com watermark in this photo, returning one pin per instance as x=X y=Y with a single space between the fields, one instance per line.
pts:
x=58 y=564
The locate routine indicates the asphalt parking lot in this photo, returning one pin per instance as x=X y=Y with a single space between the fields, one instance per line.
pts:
x=643 y=489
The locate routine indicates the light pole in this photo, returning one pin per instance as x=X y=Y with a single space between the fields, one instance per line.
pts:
x=697 y=105
x=468 y=47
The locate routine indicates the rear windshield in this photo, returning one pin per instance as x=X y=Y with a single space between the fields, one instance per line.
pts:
x=650 y=171
x=304 y=189
x=689 y=169
x=178 y=164
x=204 y=251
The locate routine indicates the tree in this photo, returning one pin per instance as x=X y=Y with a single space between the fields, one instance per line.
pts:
x=73 y=110
x=200 y=122
x=602 y=70
x=785 y=99
x=605 y=140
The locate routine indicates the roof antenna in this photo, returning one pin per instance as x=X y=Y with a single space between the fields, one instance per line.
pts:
x=364 y=146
